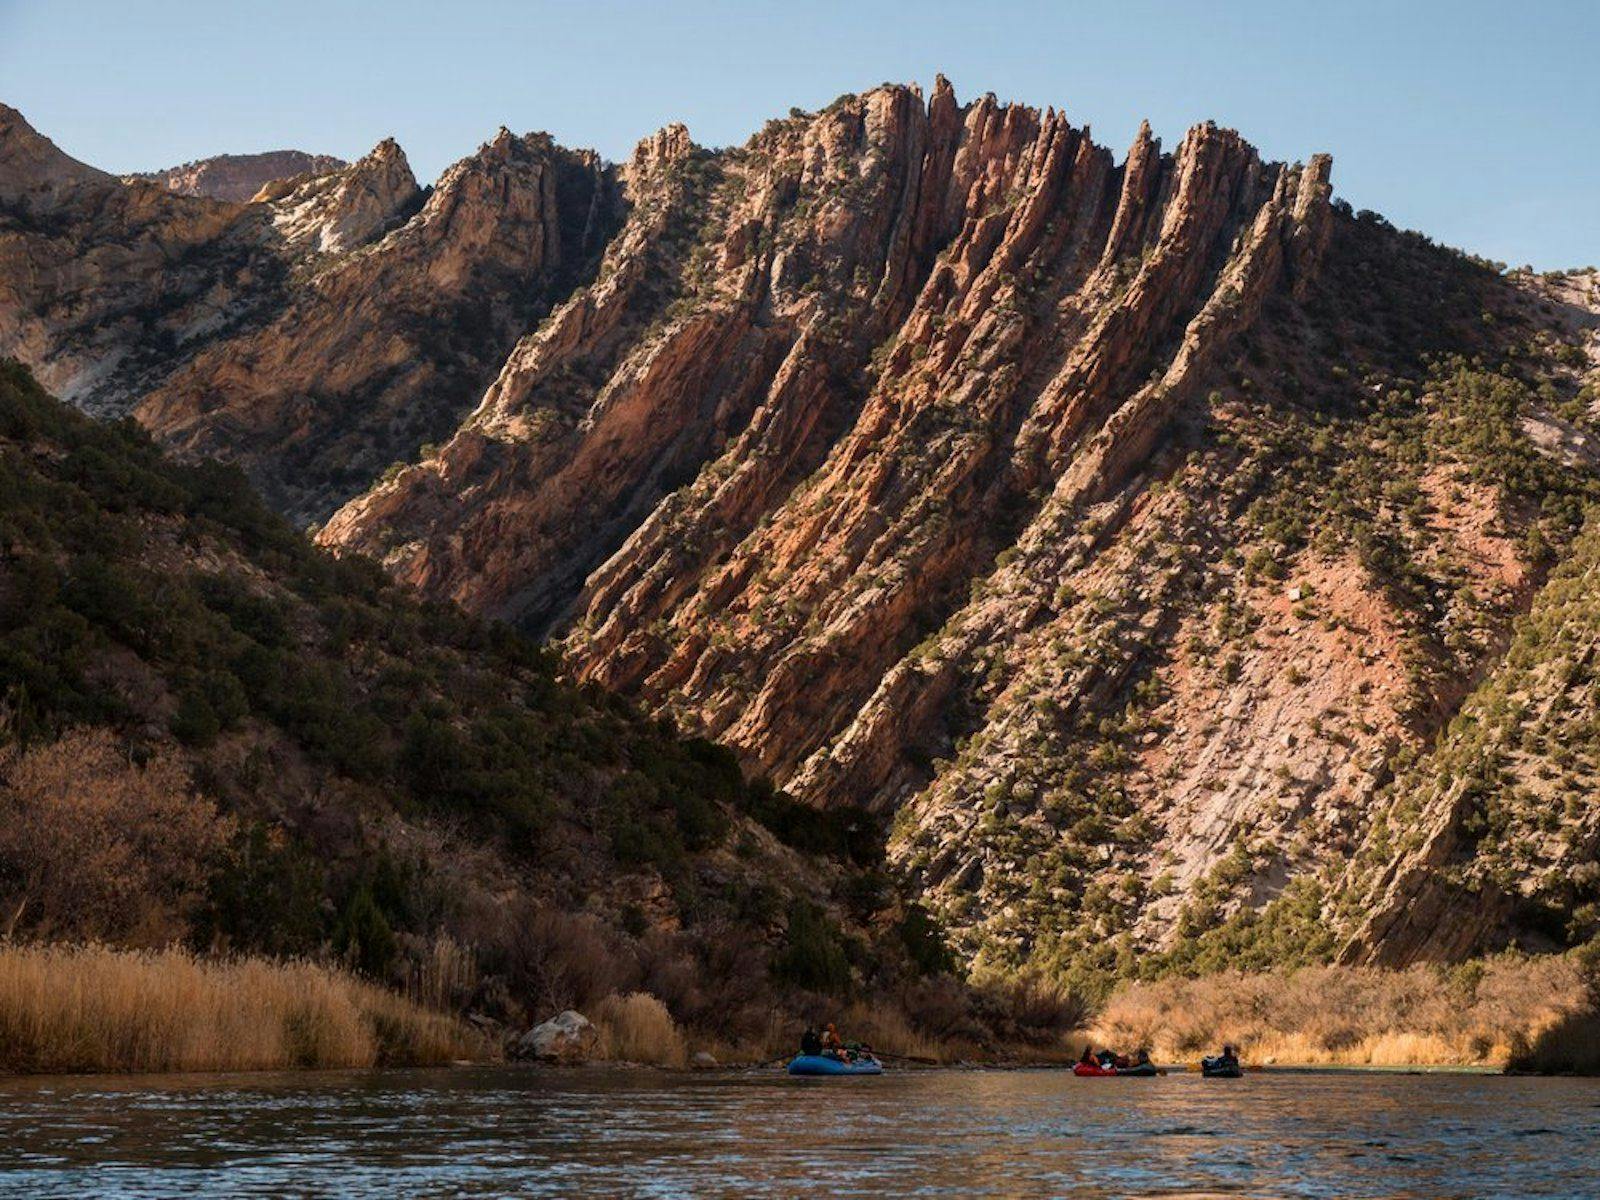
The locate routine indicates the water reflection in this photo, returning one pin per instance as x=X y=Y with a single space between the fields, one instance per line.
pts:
x=510 y=1131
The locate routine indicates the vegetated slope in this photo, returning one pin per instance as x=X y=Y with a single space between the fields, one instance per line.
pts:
x=1496 y=831
x=1117 y=529
x=238 y=177
x=212 y=730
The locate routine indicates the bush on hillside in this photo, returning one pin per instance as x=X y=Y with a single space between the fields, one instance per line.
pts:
x=96 y=846
x=813 y=954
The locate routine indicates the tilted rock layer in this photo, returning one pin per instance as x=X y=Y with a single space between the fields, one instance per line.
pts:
x=1124 y=532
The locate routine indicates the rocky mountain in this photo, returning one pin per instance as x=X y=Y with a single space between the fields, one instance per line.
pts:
x=238 y=177
x=315 y=336
x=1145 y=541
x=382 y=349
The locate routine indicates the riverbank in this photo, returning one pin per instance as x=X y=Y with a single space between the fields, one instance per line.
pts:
x=1505 y=1012
x=67 y=1009
x=1510 y=1012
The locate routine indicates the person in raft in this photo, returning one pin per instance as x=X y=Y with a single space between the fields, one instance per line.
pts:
x=1108 y=1060
x=833 y=1045
x=811 y=1042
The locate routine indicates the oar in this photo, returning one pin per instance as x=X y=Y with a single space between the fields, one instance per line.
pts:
x=916 y=1058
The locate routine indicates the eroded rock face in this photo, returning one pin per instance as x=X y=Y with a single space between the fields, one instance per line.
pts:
x=338 y=210
x=34 y=171
x=908 y=337
x=314 y=336
x=238 y=177
x=101 y=280
x=926 y=467
x=383 y=350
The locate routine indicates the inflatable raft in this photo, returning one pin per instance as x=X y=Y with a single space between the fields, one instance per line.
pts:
x=1213 y=1068
x=1098 y=1072
x=821 y=1064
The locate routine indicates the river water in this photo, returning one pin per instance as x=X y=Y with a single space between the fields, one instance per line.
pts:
x=608 y=1132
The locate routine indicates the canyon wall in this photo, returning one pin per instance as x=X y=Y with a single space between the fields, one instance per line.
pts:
x=1131 y=535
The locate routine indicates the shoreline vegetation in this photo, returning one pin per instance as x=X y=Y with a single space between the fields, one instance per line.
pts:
x=1512 y=1011
x=68 y=1009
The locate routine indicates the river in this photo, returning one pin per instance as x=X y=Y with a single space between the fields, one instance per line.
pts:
x=612 y=1132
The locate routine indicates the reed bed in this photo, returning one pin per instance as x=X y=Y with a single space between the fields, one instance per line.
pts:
x=1487 y=1013
x=638 y=1028
x=92 y=1008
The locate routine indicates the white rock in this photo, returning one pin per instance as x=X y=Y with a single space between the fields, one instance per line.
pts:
x=569 y=1037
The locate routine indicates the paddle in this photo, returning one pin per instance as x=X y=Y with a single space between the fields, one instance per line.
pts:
x=916 y=1058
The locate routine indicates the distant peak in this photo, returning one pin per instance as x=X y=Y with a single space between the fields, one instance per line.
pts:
x=665 y=145
x=239 y=177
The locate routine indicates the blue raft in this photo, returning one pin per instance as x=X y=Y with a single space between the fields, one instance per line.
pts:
x=821 y=1064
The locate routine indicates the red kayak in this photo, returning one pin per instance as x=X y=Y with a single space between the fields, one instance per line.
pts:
x=1086 y=1069
x=1144 y=1069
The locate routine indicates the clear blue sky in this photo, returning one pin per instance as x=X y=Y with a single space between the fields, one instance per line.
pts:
x=1476 y=122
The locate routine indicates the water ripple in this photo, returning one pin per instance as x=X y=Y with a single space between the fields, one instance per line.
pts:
x=525 y=1132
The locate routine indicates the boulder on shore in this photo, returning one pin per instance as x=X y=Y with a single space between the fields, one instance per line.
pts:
x=567 y=1038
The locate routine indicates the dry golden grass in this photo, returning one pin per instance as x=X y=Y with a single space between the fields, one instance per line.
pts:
x=1482 y=1014
x=444 y=978
x=91 y=1008
x=638 y=1028
x=778 y=1040
x=886 y=1029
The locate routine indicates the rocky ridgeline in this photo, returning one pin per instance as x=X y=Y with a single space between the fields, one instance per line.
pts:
x=1121 y=531
x=384 y=348
x=238 y=177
